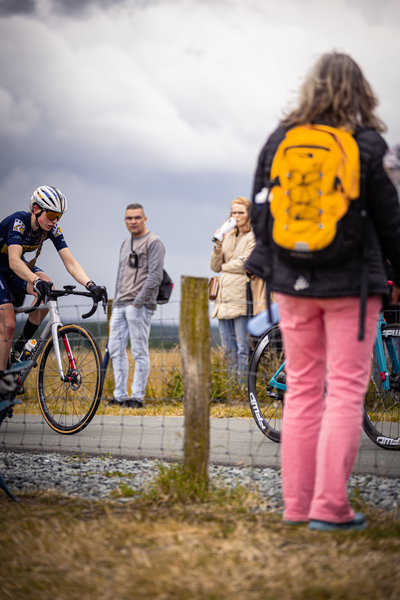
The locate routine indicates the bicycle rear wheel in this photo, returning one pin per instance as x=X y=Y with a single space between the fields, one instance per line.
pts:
x=68 y=405
x=382 y=407
x=266 y=401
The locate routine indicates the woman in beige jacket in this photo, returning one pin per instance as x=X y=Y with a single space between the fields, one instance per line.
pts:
x=230 y=307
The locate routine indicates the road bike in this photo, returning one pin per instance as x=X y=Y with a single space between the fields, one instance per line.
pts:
x=69 y=366
x=381 y=421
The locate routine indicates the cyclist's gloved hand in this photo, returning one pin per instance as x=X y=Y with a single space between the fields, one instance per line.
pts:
x=42 y=287
x=99 y=292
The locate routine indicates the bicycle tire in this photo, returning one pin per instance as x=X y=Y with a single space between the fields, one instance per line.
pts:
x=382 y=407
x=266 y=402
x=69 y=406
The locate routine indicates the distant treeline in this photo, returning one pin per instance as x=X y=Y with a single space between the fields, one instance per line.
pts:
x=160 y=334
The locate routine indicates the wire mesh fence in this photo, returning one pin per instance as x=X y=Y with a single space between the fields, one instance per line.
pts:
x=148 y=436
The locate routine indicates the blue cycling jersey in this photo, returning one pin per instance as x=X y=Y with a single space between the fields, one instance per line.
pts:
x=16 y=229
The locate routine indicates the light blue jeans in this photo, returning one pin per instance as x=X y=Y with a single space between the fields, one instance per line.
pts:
x=136 y=323
x=235 y=342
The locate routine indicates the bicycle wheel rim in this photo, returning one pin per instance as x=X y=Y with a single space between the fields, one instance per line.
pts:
x=381 y=406
x=69 y=406
x=266 y=402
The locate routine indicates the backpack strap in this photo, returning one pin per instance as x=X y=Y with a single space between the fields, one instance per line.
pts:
x=364 y=276
x=364 y=247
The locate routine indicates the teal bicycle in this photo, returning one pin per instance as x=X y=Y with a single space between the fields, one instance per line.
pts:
x=267 y=386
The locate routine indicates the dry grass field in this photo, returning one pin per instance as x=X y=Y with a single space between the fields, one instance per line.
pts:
x=173 y=544
x=164 y=394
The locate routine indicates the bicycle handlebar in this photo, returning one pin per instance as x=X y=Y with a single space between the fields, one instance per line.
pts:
x=67 y=291
x=29 y=309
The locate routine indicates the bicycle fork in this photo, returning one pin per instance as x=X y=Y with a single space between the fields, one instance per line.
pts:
x=72 y=373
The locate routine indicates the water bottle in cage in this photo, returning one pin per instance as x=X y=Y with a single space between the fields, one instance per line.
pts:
x=26 y=350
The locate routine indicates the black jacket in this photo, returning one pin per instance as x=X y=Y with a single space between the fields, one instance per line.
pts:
x=383 y=228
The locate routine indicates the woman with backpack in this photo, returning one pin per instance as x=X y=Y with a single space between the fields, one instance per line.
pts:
x=328 y=366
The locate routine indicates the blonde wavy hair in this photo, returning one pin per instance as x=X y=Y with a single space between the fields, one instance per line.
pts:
x=336 y=92
x=247 y=204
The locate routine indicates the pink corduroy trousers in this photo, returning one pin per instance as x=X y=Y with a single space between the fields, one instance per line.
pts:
x=328 y=371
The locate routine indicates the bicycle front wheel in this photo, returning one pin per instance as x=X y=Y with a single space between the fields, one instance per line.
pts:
x=266 y=401
x=382 y=406
x=69 y=404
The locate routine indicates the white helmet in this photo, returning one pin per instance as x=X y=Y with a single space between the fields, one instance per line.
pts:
x=49 y=198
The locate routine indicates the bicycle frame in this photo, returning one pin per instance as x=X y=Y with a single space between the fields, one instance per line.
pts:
x=380 y=353
x=51 y=328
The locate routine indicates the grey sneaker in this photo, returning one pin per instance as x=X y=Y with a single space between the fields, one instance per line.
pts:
x=357 y=524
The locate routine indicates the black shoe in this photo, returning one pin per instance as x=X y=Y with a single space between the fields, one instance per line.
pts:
x=131 y=403
x=115 y=402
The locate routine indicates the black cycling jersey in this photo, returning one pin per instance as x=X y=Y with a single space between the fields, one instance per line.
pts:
x=16 y=229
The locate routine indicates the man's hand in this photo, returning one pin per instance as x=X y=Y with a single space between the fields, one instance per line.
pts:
x=42 y=287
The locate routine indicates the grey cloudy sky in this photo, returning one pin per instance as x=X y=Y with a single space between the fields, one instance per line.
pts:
x=167 y=103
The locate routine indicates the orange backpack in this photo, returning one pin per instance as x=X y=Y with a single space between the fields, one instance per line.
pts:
x=315 y=177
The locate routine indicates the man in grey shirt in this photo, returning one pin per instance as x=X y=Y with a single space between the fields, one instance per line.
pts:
x=140 y=272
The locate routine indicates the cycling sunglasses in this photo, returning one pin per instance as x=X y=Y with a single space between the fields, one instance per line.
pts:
x=52 y=215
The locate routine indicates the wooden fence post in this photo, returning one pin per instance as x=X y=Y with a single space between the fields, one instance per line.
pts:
x=194 y=337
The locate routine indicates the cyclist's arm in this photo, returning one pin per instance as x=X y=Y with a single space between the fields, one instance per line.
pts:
x=395 y=294
x=18 y=265
x=73 y=267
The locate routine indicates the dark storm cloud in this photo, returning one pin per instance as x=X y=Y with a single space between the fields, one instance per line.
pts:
x=81 y=7
x=16 y=7
x=69 y=7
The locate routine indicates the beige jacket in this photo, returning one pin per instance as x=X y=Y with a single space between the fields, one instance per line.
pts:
x=231 y=299
x=259 y=294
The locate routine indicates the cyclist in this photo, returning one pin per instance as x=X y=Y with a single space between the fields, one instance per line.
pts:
x=23 y=232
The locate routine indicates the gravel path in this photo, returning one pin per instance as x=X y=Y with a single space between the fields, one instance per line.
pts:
x=94 y=478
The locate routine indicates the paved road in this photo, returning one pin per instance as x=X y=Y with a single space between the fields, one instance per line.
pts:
x=233 y=442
